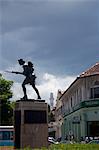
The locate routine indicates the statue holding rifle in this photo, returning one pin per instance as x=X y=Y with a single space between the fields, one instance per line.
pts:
x=28 y=71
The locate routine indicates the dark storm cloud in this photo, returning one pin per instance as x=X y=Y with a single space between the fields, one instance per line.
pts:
x=62 y=37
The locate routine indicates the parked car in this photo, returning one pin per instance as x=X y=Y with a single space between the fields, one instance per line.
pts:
x=63 y=142
x=94 y=142
x=67 y=142
x=51 y=140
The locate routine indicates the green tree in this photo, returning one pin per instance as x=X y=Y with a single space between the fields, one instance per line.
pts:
x=6 y=111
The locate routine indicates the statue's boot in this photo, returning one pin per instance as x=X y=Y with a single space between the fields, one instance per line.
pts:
x=39 y=97
x=24 y=97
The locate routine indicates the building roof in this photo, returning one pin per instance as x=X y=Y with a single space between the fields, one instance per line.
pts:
x=91 y=71
x=94 y=70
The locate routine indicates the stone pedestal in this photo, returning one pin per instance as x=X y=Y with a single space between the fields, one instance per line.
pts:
x=31 y=124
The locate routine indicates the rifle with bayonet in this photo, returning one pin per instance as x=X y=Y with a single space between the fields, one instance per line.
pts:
x=14 y=72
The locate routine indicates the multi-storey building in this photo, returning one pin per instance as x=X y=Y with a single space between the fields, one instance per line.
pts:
x=58 y=115
x=52 y=124
x=80 y=105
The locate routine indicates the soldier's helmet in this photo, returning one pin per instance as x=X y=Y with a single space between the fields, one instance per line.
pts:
x=30 y=64
x=21 y=61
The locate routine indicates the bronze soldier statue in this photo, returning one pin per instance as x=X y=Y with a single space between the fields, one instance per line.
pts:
x=28 y=71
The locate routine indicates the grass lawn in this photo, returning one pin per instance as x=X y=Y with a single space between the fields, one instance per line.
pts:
x=62 y=147
x=75 y=147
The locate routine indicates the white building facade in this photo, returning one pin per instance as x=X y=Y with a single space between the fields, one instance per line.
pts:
x=80 y=106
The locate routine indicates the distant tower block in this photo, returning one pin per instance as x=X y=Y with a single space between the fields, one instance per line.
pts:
x=51 y=100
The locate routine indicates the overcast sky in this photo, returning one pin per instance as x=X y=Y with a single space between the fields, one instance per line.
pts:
x=61 y=38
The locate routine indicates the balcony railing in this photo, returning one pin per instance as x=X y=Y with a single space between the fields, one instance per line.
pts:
x=83 y=104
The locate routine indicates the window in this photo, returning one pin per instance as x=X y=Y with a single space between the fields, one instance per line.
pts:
x=6 y=135
x=11 y=135
x=71 y=102
x=94 y=92
x=0 y=135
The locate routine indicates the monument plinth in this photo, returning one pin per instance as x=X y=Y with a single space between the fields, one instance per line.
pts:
x=31 y=124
